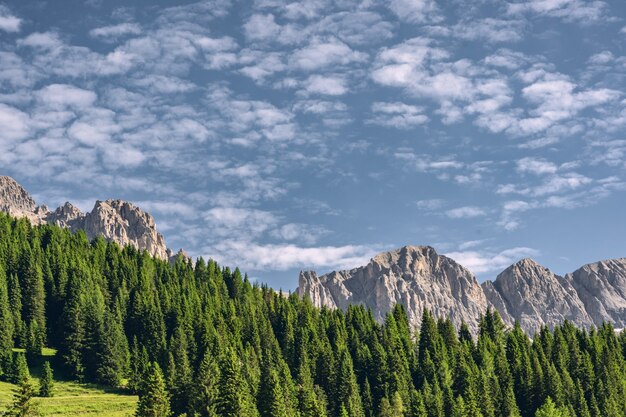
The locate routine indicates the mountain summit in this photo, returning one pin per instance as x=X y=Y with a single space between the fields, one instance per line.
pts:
x=525 y=292
x=116 y=220
x=415 y=276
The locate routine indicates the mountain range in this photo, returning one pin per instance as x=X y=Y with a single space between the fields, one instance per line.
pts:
x=414 y=276
x=116 y=220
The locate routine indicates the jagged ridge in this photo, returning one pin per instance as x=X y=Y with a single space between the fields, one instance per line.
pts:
x=526 y=292
x=116 y=220
x=415 y=276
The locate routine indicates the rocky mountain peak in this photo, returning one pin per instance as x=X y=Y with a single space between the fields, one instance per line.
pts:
x=534 y=296
x=15 y=200
x=415 y=276
x=116 y=220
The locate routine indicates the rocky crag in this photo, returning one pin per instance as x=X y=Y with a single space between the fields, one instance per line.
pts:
x=116 y=220
x=415 y=276
x=526 y=292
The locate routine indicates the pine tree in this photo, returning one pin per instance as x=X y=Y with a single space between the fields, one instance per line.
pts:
x=205 y=391
x=271 y=396
x=20 y=369
x=22 y=405
x=309 y=403
x=154 y=401
x=112 y=352
x=549 y=409
x=46 y=383
x=346 y=388
x=235 y=399
x=6 y=326
x=417 y=409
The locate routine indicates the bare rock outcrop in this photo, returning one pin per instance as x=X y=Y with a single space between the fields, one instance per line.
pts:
x=116 y=220
x=16 y=201
x=602 y=288
x=415 y=276
x=534 y=296
x=124 y=223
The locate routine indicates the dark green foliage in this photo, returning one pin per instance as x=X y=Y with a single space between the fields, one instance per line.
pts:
x=20 y=370
x=230 y=348
x=154 y=401
x=22 y=405
x=46 y=382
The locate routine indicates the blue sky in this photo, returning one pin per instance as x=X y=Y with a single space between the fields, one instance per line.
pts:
x=280 y=136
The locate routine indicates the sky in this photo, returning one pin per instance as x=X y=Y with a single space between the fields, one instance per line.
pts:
x=280 y=136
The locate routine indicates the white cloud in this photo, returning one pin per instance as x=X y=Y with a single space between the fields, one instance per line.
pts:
x=480 y=262
x=326 y=85
x=415 y=11
x=425 y=163
x=569 y=10
x=14 y=124
x=398 y=115
x=9 y=22
x=430 y=205
x=261 y=27
x=115 y=31
x=254 y=256
x=44 y=40
x=64 y=95
x=536 y=166
x=319 y=106
x=358 y=27
x=467 y=212
x=236 y=222
x=321 y=53
x=489 y=30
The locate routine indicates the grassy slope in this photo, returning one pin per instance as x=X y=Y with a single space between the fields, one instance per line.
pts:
x=74 y=399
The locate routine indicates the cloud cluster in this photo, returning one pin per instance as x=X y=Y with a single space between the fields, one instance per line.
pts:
x=224 y=123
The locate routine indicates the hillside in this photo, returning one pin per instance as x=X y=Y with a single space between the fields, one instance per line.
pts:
x=202 y=339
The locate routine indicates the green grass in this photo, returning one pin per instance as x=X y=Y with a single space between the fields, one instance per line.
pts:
x=74 y=399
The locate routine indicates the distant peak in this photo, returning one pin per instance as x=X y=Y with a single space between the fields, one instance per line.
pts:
x=528 y=262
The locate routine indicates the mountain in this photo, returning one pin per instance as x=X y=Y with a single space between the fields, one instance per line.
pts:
x=525 y=292
x=415 y=276
x=602 y=288
x=534 y=296
x=116 y=220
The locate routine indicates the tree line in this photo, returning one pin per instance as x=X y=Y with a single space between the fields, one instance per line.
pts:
x=197 y=339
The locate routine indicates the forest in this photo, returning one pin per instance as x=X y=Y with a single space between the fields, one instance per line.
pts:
x=199 y=339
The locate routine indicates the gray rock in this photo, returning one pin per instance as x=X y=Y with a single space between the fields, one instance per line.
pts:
x=533 y=295
x=602 y=288
x=415 y=276
x=16 y=201
x=116 y=220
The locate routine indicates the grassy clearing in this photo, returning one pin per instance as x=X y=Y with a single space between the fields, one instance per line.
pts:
x=74 y=399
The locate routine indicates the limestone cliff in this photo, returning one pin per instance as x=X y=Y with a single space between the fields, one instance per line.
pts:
x=116 y=220
x=415 y=276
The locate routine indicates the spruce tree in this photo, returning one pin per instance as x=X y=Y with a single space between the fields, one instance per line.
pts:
x=205 y=391
x=154 y=401
x=20 y=369
x=22 y=405
x=234 y=397
x=46 y=383
x=271 y=397
x=549 y=409
x=6 y=326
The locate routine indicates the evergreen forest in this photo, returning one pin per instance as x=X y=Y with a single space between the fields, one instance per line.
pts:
x=199 y=339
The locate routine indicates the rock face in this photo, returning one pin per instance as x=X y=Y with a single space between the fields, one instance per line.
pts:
x=415 y=276
x=525 y=292
x=602 y=288
x=116 y=220
x=16 y=201
x=534 y=296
